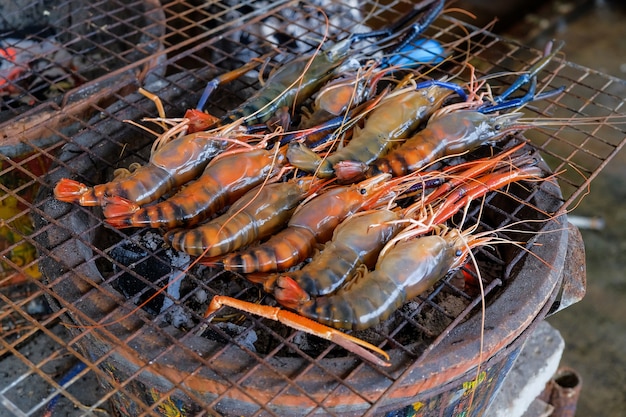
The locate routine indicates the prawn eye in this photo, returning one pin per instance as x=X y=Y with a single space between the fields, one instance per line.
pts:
x=363 y=191
x=497 y=127
x=458 y=252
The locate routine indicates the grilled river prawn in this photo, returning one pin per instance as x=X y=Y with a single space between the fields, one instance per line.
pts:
x=452 y=134
x=218 y=187
x=408 y=269
x=176 y=163
x=356 y=243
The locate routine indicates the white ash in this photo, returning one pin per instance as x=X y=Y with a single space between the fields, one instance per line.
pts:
x=200 y=295
x=149 y=239
x=244 y=336
x=180 y=261
x=37 y=306
x=179 y=317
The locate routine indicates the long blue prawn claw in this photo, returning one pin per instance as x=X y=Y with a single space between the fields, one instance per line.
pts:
x=423 y=51
x=408 y=24
x=520 y=101
x=530 y=76
x=444 y=84
x=212 y=85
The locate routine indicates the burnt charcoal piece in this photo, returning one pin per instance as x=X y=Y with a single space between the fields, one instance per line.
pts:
x=147 y=272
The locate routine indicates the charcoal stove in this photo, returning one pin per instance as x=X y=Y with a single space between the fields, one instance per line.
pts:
x=90 y=289
x=146 y=366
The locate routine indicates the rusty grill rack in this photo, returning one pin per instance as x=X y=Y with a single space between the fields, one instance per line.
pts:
x=197 y=41
x=71 y=55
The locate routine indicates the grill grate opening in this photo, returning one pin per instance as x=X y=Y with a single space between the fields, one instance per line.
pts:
x=81 y=256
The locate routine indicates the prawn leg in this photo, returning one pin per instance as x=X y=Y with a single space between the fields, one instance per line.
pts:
x=463 y=195
x=212 y=85
x=176 y=163
x=472 y=170
x=297 y=322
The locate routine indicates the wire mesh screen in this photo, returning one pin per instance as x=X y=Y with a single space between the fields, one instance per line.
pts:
x=63 y=55
x=164 y=358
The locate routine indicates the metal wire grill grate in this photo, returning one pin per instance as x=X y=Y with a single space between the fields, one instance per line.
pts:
x=144 y=362
x=61 y=55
